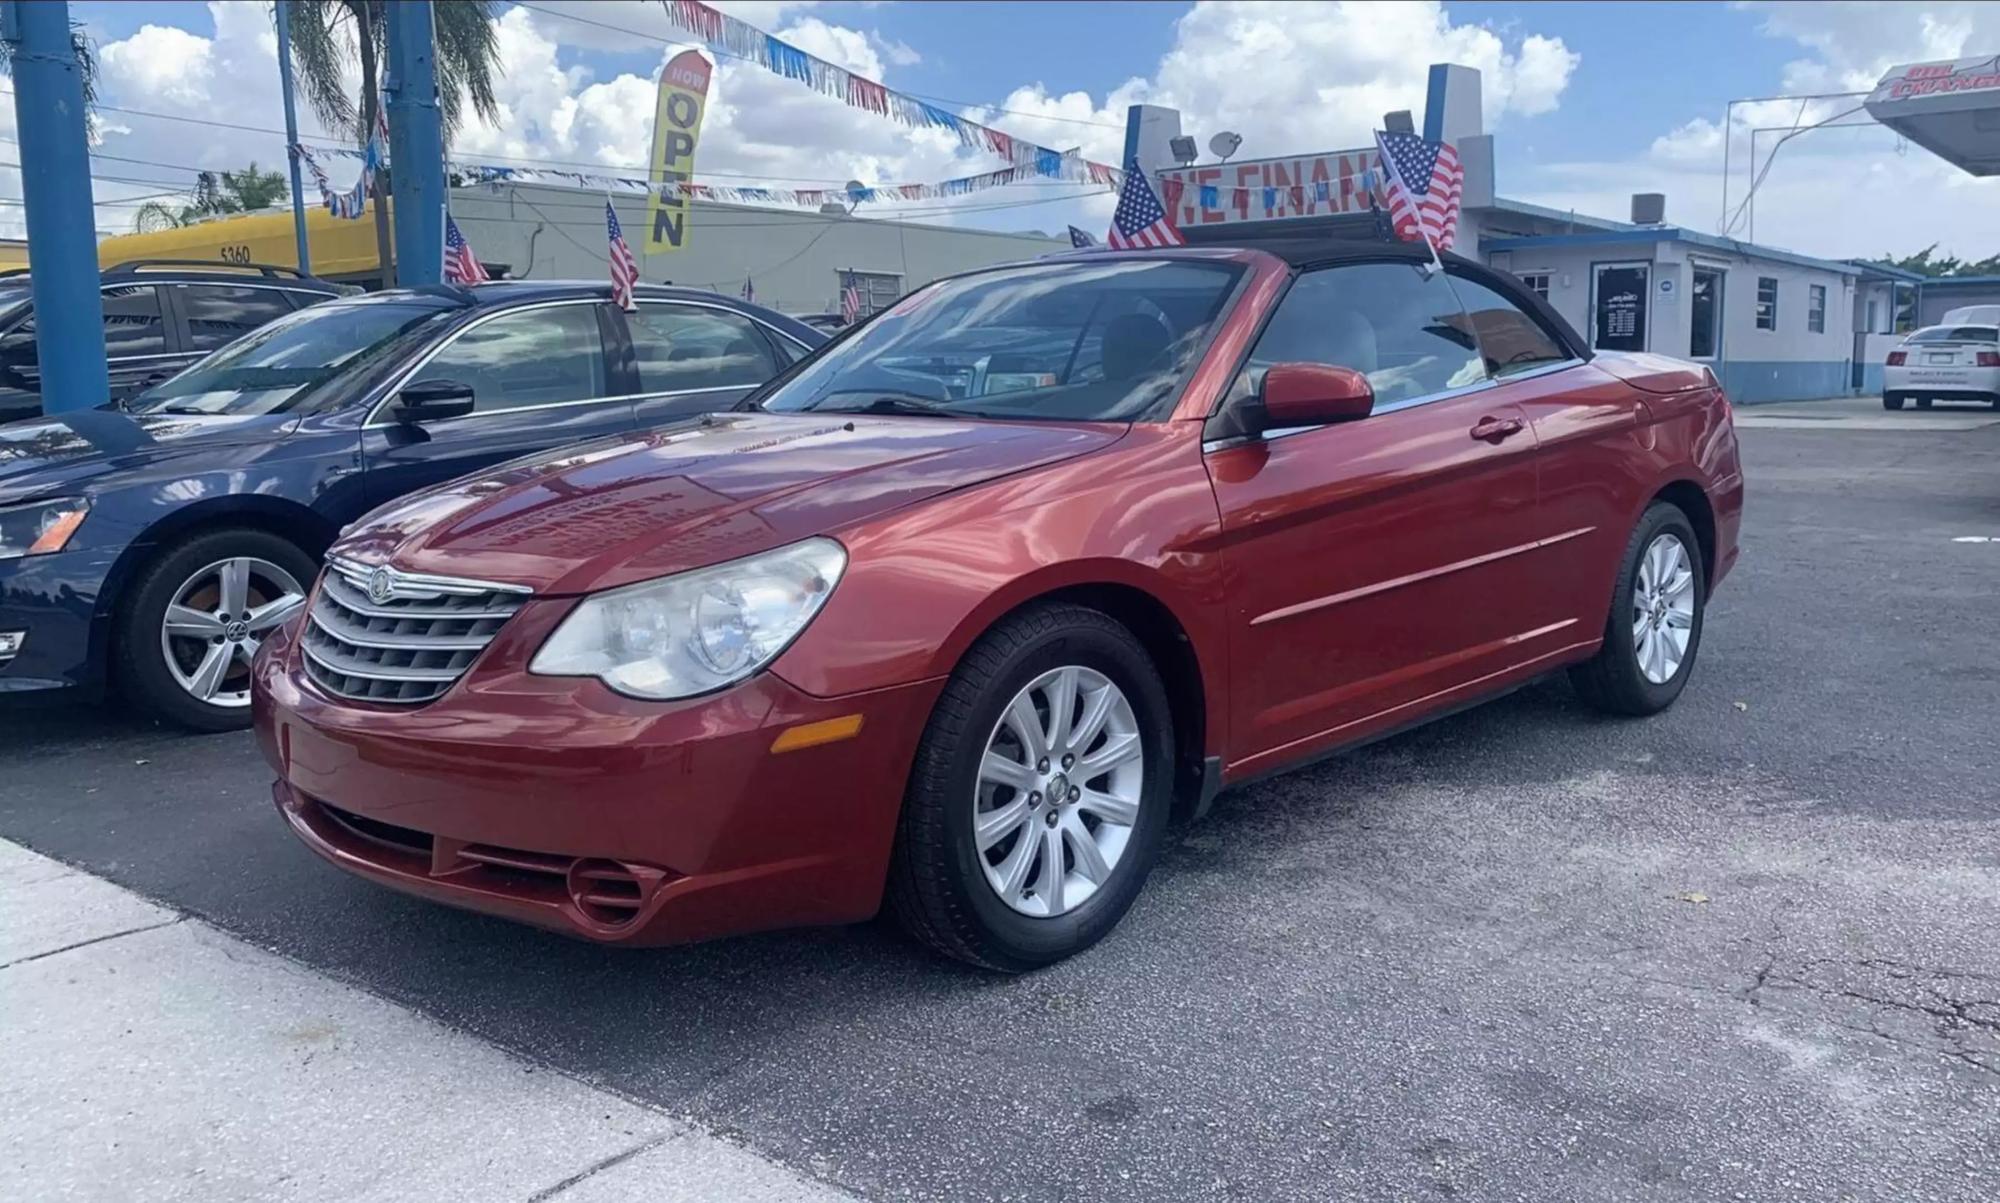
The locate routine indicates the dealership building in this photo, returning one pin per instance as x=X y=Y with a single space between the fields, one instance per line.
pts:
x=796 y=261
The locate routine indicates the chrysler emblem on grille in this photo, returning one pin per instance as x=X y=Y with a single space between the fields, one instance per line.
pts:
x=381 y=586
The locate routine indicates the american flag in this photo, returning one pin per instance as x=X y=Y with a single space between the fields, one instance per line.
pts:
x=1140 y=220
x=1425 y=187
x=624 y=268
x=850 y=302
x=1080 y=238
x=461 y=266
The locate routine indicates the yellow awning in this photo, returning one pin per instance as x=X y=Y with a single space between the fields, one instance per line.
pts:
x=339 y=247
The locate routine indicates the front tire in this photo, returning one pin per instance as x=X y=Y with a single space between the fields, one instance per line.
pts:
x=1654 y=629
x=1892 y=400
x=991 y=866
x=196 y=615
x=1923 y=402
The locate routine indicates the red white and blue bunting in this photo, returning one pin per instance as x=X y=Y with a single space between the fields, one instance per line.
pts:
x=745 y=41
x=352 y=203
x=810 y=198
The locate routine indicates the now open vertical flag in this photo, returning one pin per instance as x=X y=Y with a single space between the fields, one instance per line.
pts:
x=676 y=128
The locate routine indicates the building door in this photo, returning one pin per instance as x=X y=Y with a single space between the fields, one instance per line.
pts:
x=1618 y=305
x=1705 y=314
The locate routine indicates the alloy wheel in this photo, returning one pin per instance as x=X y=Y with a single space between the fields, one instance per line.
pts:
x=218 y=619
x=1663 y=608
x=1059 y=791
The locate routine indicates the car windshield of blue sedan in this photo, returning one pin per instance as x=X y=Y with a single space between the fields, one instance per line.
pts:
x=1076 y=340
x=290 y=364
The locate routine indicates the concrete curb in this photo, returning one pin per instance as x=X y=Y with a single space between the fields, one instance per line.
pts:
x=153 y=1056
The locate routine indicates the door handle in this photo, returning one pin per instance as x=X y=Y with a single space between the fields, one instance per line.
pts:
x=1494 y=430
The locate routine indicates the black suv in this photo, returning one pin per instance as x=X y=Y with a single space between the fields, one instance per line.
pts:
x=160 y=315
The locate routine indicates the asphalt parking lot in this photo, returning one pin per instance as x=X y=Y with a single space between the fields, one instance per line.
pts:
x=1748 y=949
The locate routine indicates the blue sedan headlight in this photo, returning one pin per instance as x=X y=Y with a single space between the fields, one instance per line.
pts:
x=40 y=527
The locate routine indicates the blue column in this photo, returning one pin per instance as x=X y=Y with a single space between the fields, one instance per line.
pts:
x=55 y=184
x=292 y=133
x=416 y=145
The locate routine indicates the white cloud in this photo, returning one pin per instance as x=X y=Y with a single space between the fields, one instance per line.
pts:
x=1290 y=77
x=1833 y=192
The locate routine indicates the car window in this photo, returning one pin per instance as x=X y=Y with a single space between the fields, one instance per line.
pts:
x=680 y=348
x=1080 y=340
x=1956 y=334
x=1510 y=339
x=132 y=322
x=298 y=360
x=1396 y=325
x=531 y=357
x=219 y=314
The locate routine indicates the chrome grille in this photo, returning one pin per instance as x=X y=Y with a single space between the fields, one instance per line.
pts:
x=377 y=634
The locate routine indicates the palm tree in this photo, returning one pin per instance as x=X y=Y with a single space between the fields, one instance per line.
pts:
x=216 y=192
x=327 y=34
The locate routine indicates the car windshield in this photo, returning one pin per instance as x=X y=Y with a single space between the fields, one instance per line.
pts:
x=1957 y=334
x=1105 y=341
x=288 y=365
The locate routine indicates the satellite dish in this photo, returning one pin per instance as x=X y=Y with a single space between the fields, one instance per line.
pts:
x=1225 y=144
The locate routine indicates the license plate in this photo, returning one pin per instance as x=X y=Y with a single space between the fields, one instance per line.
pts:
x=1941 y=358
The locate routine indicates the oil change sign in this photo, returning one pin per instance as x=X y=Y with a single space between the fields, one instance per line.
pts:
x=676 y=129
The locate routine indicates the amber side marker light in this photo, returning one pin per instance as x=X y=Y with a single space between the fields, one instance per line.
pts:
x=57 y=536
x=812 y=735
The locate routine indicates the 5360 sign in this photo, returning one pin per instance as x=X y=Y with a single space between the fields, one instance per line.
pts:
x=235 y=253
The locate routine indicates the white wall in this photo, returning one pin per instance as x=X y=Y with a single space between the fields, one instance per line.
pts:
x=794 y=257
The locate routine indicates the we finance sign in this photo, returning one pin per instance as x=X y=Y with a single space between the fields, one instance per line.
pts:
x=1318 y=185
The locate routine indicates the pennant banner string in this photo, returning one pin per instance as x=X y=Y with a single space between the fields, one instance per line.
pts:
x=744 y=40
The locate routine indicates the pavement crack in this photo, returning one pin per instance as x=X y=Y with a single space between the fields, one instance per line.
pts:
x=130 y=931
x=598 y=1167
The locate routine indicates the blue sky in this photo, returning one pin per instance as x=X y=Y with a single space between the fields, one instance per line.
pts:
x=1637 y=107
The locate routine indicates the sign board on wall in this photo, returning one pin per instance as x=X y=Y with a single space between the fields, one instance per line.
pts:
x=1269 y=189
x=676 y=129
x=1618 y=310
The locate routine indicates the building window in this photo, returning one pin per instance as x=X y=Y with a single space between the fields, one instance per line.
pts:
x=878 y=290
x=1767 y=302
x=1816 y=309
x=1536 y=282
x=1906 y=308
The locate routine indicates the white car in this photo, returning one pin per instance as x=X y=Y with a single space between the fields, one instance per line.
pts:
x=1947 y=363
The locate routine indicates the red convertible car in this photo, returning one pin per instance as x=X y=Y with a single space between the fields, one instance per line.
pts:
x=963 y=609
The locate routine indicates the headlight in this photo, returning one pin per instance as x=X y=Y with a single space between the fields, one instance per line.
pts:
x=40 y=528
x=688 y=634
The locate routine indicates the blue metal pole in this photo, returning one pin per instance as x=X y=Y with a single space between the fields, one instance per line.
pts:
x=55 y=186
x=416 y=145
x=292 y=133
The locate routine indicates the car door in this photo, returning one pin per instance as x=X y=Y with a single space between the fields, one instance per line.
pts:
x=694 y=359
x=1585 y=423
x=540 y=377
x=215 y=315
x=141 y=345
x=1374 y=565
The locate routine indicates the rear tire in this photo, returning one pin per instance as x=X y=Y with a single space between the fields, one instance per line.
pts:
x=1621 y=677
x=944 y=887
x=164 y=673
x=1892 y=400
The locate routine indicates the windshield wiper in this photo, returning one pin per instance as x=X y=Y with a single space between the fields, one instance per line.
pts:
x=890 y=403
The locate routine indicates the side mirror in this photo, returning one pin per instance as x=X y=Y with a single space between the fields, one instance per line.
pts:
x=1314 y=394
x=433 y=401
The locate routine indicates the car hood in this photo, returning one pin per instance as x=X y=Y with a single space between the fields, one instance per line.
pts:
x=39 y=455
x=608 y=513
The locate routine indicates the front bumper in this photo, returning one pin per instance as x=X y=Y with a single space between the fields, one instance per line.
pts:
x=560 y=803
x=52 y=600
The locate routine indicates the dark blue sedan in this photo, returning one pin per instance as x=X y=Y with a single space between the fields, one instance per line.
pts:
x=152 y=547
